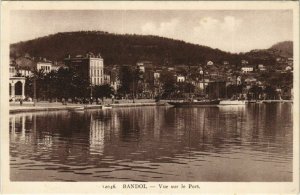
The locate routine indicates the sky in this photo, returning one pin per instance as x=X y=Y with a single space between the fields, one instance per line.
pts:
x=228 y=30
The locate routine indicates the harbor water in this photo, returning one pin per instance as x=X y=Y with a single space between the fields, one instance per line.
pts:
x=225 y=143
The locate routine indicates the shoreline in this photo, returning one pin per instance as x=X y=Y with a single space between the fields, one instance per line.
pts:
x=59 y=107
x=25 y=108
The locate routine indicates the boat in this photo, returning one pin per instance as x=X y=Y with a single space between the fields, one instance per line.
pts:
x=108 y=106
x=81 y=108
x=194 y=103
x=233 y=102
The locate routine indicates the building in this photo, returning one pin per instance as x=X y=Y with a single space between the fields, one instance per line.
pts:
x=288 y=68
x=244 y=62
x=89 y=67
x=106 y=79
x=247 y=69
x=12 y=70
x=261 y=67
x=114 y=79
x=141 y=66
x=210 y=63
x=44 y=65
x=180 y=79
x=225 y=63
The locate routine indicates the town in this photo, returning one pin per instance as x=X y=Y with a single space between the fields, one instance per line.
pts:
x=86 y=79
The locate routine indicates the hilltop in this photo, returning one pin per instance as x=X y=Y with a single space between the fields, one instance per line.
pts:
x=129 y=49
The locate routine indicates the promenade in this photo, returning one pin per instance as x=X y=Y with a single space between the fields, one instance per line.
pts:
x=55 y=106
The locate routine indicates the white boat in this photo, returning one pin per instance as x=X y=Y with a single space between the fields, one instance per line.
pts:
x=77 y=109
x=233 y=102
x=108 y=106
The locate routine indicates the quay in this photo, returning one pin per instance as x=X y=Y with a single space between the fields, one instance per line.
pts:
x=45 y=106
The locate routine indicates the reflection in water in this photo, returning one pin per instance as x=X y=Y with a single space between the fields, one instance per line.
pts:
x=252 y=143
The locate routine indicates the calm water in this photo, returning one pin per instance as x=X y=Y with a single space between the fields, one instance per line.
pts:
x=252 y=143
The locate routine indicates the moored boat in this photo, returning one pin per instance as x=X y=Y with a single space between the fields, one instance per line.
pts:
x=108 y=106
x=233 y=102
x=194 y=103
x=81 y=108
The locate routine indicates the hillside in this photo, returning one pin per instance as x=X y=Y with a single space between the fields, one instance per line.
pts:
x=268 y=56
x=119 y=49
x=285 y=48
x=129 y=49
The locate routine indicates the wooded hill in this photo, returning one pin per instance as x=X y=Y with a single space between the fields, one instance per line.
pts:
x=129 y=49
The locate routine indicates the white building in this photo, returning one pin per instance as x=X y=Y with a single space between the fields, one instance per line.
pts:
x=141 y=66
x=288 y=68
x=156 y=75
x=45 y=65
x=210 y=63
x=261 y=67
x=106 y=79
x=12 y=71
x=180 y=79
x=25 y=72
x=247 y=69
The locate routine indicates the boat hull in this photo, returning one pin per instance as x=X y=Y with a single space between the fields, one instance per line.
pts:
x=233 y=102
x=192 y=104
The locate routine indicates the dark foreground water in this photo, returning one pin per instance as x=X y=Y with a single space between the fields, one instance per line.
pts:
x=252 y=143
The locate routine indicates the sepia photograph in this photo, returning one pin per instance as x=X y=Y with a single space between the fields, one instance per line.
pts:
x=150 y=95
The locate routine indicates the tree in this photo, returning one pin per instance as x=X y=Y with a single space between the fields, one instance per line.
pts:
x=270 y=92
x=168 y=84
x=101 y=91
x=256 y=91
x=129 y=77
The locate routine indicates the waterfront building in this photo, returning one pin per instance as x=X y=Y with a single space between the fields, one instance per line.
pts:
x=89 y=67
x=16 y=83
x=16 y=88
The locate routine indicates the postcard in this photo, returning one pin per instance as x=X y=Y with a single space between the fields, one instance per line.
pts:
x=150 y=97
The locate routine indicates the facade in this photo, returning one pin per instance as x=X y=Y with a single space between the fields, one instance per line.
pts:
x=90 y=67
x=261 y=67
x=180 y=79
x=141 y=66
x=247 y=69
x=45 y=65
x=16 y=88
x=107 y=79
x=12 y=71
x=25 y=72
